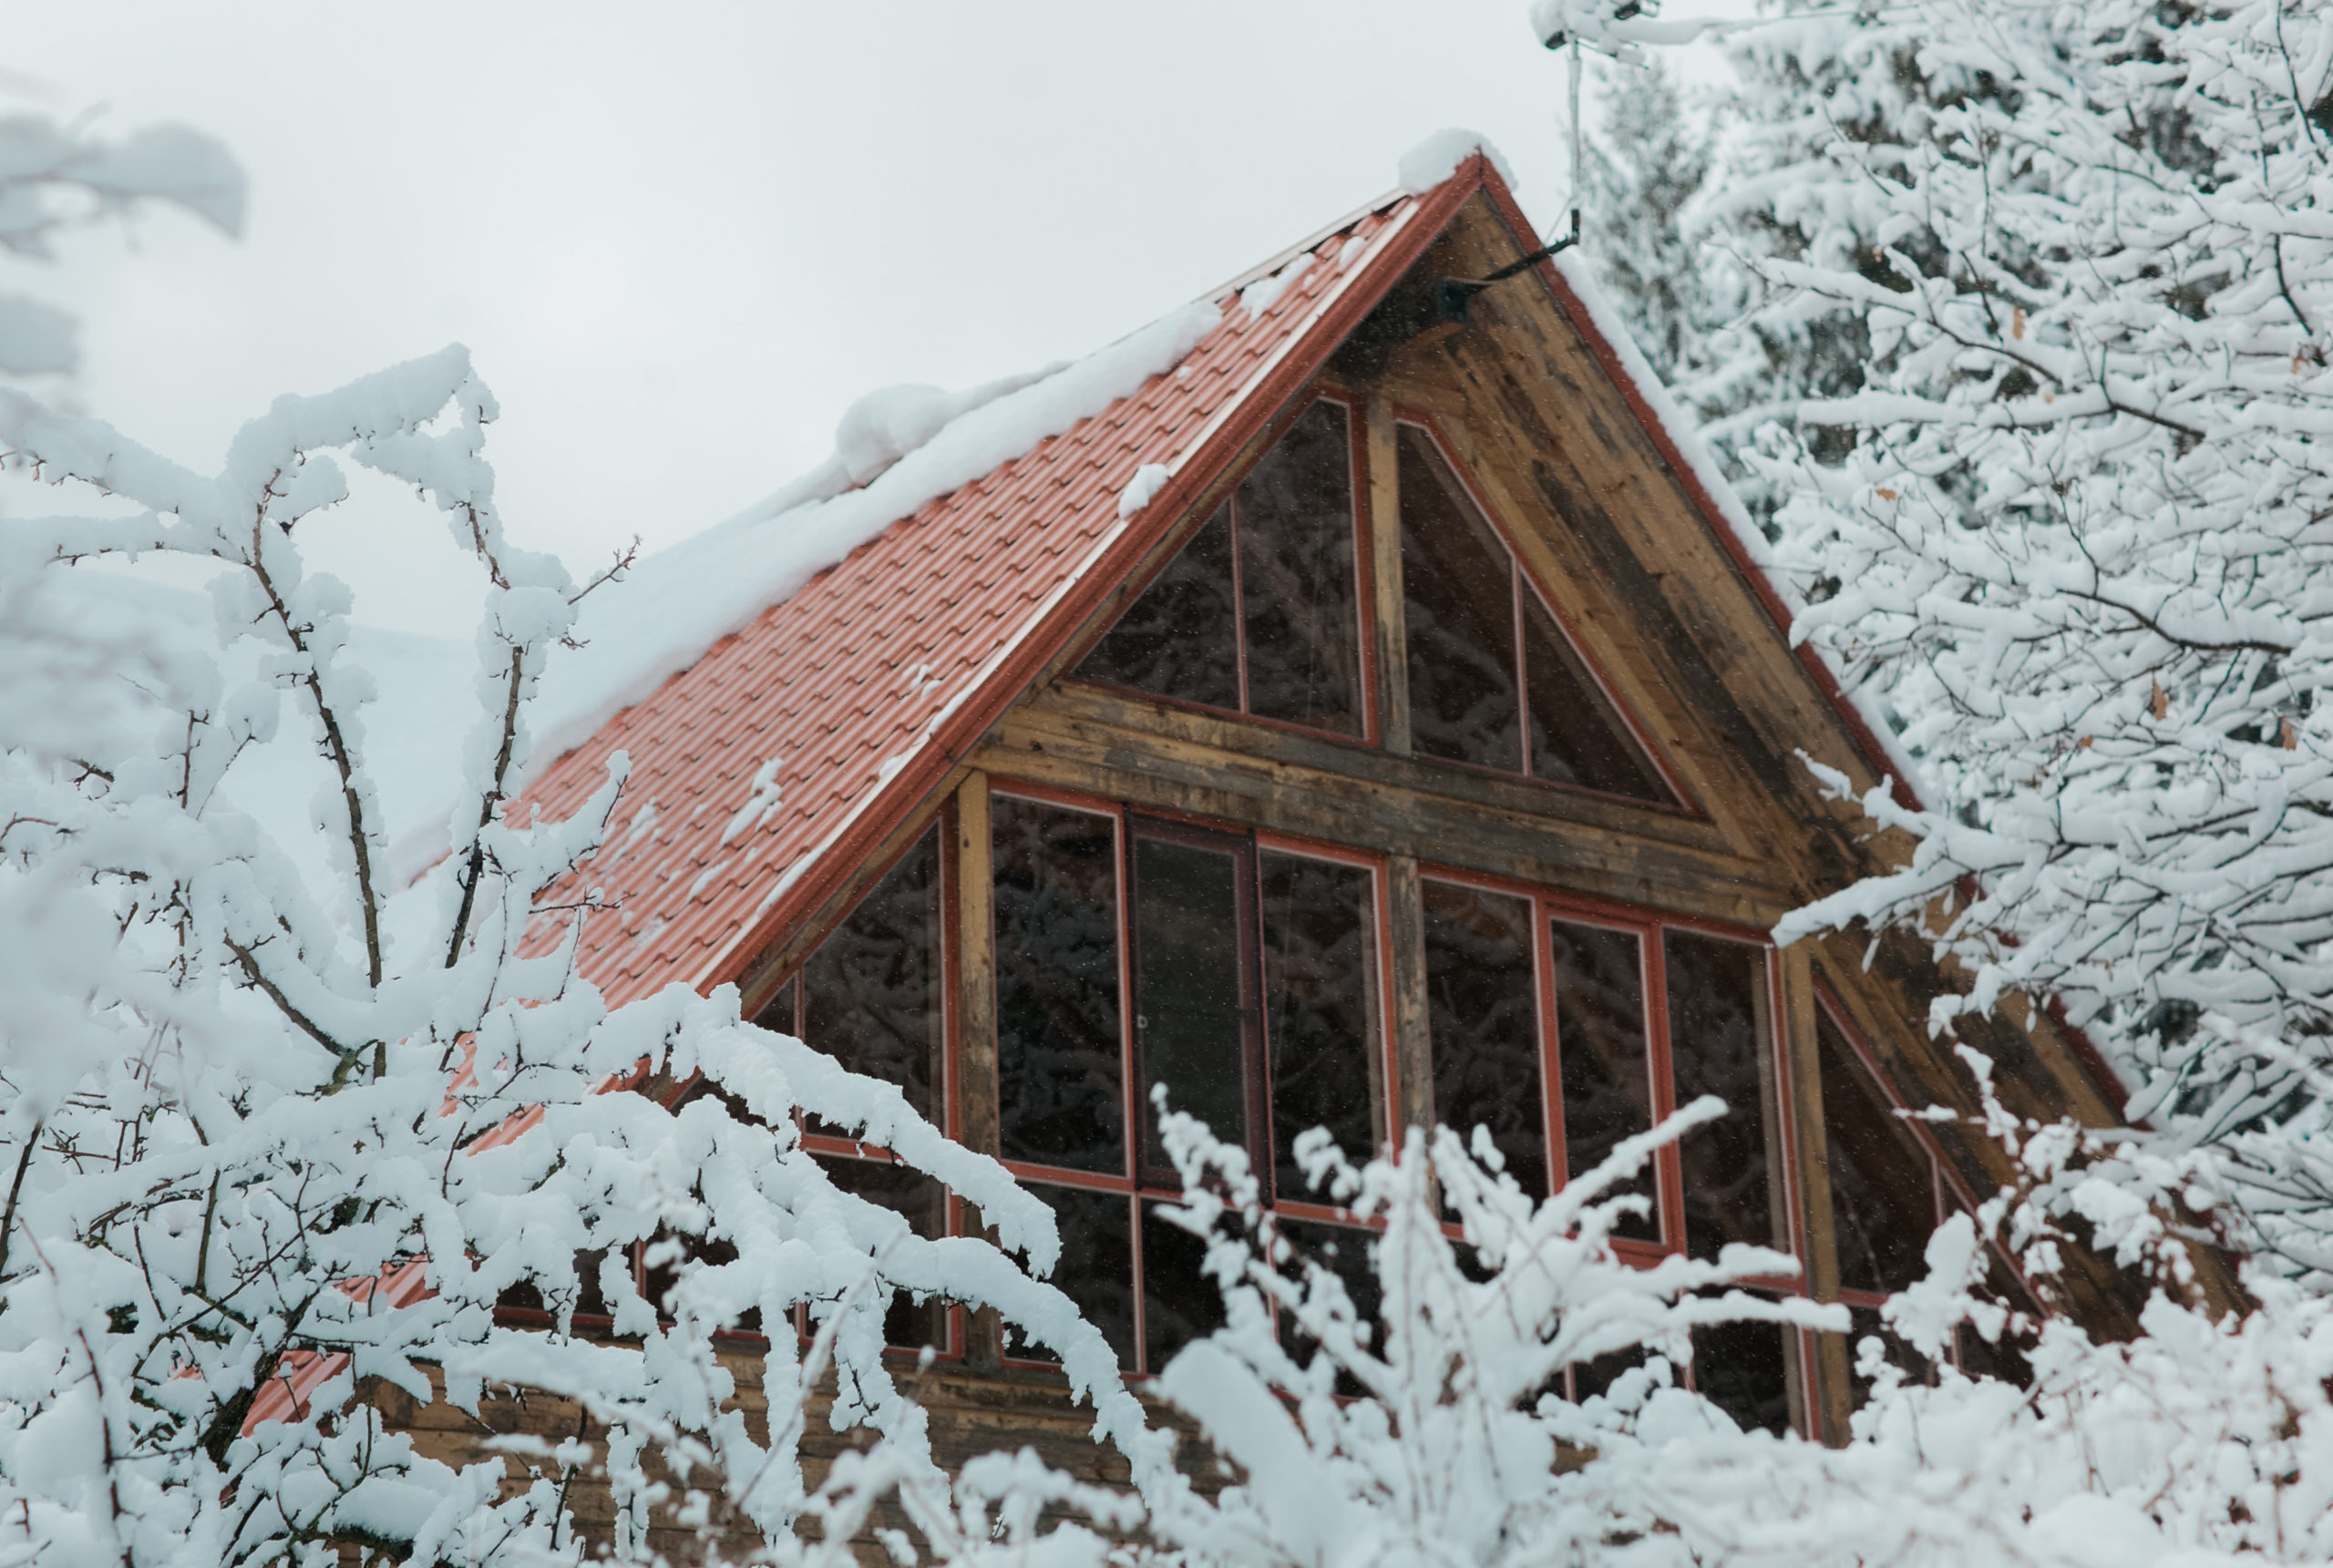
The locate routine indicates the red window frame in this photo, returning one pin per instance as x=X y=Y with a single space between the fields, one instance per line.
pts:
x=1364 y=583
x=1550 y=904
x=1131 y=1180
x=1951 y=1190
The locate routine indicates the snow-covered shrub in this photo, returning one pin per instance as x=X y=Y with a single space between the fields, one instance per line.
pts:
x=262 y=1134
x=1439 y=1437
x=1434 y=1434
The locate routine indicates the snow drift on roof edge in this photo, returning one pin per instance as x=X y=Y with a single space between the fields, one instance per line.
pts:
x=676 y=604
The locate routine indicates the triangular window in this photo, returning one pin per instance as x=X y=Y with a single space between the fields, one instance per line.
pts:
x=1261 y=612
x=1493 y=681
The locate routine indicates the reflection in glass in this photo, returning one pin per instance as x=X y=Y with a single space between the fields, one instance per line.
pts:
x=1097 y=1272
x=1716 y=998
x=1482 y=1021
x=923 y=1203
x=1297 y=579
x=1189 y=1019
x=1348 y=1253
x=1743 y=1368
x=1868 y=1325
x=1458 y=600
x=870 y=993
x=1575 y=737
x=1883 y=1183
x=1179 y=1302
x=1600 y=1043
x=1058 y=1049
x=1319 y=933
x=1179 y=639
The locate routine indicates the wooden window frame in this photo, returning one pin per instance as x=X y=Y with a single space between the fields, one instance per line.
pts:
x=1951 y=1190
x=1132 y=1181
x=1364 y=581
x=1524 y=579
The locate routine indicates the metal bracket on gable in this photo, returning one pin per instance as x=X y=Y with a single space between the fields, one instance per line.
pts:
x=1454 y=297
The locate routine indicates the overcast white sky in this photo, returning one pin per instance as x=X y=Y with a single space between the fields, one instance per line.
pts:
x=680 y=239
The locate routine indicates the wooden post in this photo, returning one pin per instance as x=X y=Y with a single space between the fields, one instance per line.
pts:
x=976 y=1102
x=1391 y=645
x=1832 y=1396
x=1413 y=1051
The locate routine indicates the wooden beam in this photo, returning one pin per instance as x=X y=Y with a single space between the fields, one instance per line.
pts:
x=1372 y=802
x=975 y=973
x=1413 y=1043
x=1833 y=1394
x=1391 y=642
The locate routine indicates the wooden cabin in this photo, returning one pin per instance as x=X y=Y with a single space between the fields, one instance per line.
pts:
x=1425 y=747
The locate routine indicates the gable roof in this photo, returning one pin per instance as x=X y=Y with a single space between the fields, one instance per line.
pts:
x=767 y=770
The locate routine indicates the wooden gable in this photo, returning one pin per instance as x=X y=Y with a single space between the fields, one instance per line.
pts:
x=1537 y=417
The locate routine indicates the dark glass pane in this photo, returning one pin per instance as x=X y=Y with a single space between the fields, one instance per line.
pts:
x=1458 y=598
x=1716 y=989
x=1484 y=1022
x=1589 y=1378
x=870 y=993
x=1883 y=1183
x=1743 y=1368
x=1179 y=1302
x=1188 y=1009
x=1319 y=1015
x=1868 y=1325
x=1296 y=576
x=784 y=1013
x=1178 y=638
x=1607 y=1075
x=1575 y=737
x=1347 y=1251
x=2003 y=1358
x=923 y=1203
x=1058 y=1052
x=1096 y=1267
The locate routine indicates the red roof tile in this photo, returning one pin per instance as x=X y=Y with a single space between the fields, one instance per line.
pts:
x=866 y=684
x=867 y=679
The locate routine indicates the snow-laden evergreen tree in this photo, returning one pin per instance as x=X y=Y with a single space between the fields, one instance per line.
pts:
x=1646 y=163
x=269 y=1142
x=2052 y=475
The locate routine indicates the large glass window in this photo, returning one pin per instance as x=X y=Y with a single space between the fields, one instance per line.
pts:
x=1482 y=1017
x=1493 y=680
x=1247 y=989
x=1514 y=979
x=1718 y=1036
x=1060 y=1060
x=1260 y=611
x=1888 y=1194
x=1600 y=1042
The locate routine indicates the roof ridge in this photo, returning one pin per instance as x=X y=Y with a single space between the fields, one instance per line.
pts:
x=1305 y=247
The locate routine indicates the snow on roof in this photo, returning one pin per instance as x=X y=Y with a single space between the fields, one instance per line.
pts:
x=836 y=648
x=771 y=675
x=894 y=451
